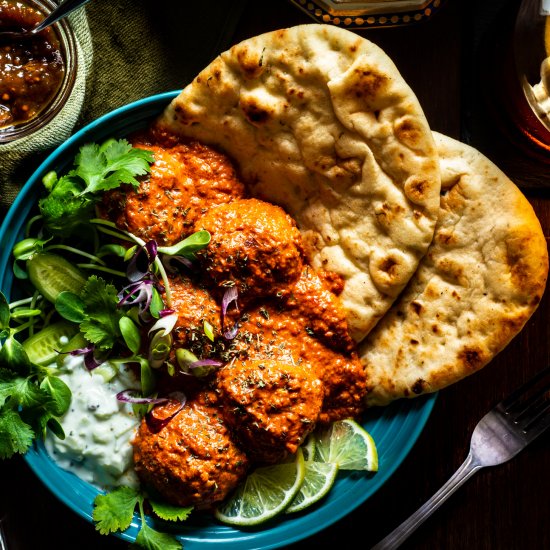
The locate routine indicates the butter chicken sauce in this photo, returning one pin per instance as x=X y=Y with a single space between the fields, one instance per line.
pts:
x=31 y=70
x=288 y=361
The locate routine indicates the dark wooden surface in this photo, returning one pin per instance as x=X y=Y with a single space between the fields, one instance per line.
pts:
x=506 y=507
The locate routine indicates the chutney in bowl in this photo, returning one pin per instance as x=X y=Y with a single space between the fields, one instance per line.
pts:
x=37 y=73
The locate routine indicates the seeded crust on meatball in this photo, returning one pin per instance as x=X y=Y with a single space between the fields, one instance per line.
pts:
x=254 y=245
x=191 y=461
x=271 y=405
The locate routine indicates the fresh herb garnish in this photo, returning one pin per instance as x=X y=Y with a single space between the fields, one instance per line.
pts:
x=114 y=512
x=32 y=397
x=105 y=319
x=72 y=197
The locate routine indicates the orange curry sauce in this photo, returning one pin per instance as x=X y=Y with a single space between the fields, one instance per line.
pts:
x=291 y=365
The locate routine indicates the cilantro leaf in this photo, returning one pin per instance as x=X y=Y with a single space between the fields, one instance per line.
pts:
x=104 y=168
x=101 y=326
x=114 y=511
x=65 y=208
x=16 y=436
x=150 y=539
x=72 y=198
x=23 y=391
x=168 y=512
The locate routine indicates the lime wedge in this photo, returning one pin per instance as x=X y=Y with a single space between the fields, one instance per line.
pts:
x=265 y=493
x=347 y=444
x=317 y=483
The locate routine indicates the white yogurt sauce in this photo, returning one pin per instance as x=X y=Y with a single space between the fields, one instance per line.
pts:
x=98 y=428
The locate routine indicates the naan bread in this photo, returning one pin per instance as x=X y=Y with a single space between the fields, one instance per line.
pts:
x=319 y=121
x=481 y=280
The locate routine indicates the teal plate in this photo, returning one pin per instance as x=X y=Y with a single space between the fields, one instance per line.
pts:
x=394 y=428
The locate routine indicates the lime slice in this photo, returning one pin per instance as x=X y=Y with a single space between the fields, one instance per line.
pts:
x=308 y=447
x=266 y=492
x=317 y=483
x=347 y=444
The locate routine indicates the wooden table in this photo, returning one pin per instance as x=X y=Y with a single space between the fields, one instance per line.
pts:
x=506 y=507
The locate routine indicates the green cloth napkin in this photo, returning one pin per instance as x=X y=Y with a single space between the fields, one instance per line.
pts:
x=127 y=50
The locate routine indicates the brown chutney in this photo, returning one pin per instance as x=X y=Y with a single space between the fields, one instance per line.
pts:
x=31 y=71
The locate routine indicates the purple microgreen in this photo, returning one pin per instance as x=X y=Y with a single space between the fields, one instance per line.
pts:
x=159 y=417
x=230 y=295
x=165 y=312
x=203 y=367
x=132 y=396
x=165 y=324
x=205 y=363
x=232 y=332
x=140 y=264
x=189 y=363
x=151 y=248
x=184 y=358
x=90 y=361
x=138 y=292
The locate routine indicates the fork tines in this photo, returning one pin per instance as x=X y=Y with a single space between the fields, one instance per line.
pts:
x=529 y=406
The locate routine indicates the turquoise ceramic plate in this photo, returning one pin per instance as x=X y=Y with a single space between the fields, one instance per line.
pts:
x=394 y=428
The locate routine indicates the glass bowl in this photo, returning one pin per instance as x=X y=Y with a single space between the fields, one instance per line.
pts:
x=67 y=50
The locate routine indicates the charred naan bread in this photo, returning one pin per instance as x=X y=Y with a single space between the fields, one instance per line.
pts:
x=320 y=121
x=482 y=278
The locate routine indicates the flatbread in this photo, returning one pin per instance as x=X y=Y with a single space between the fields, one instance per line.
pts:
x=319 y=121
x=482 y=278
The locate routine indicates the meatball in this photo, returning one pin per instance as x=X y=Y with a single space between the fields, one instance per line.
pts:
x=192 y=460
x=194 y=306
x=308 y=326
x=271 y=405
x=255 y=245
x=185 y=180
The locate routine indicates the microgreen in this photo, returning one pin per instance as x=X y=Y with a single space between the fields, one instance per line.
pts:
x=188 y=246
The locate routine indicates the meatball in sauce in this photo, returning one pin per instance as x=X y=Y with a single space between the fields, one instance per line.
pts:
x=270 y=405
x=193 y=460
x=254 y=245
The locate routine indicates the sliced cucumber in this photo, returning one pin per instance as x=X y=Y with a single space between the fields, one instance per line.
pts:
x=51 y=274
x=43 y=347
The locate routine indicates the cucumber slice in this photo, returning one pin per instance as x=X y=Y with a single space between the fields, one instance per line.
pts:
x=51 y=274
x=43 y=347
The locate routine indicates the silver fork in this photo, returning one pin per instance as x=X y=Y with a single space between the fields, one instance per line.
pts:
x=499 y=436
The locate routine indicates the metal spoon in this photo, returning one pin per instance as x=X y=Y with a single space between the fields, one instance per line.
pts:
x=58 y=13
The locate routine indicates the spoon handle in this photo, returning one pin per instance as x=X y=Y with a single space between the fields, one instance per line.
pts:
x=61 y=11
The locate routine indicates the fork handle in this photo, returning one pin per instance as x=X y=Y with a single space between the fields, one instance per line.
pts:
x=401 y=533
